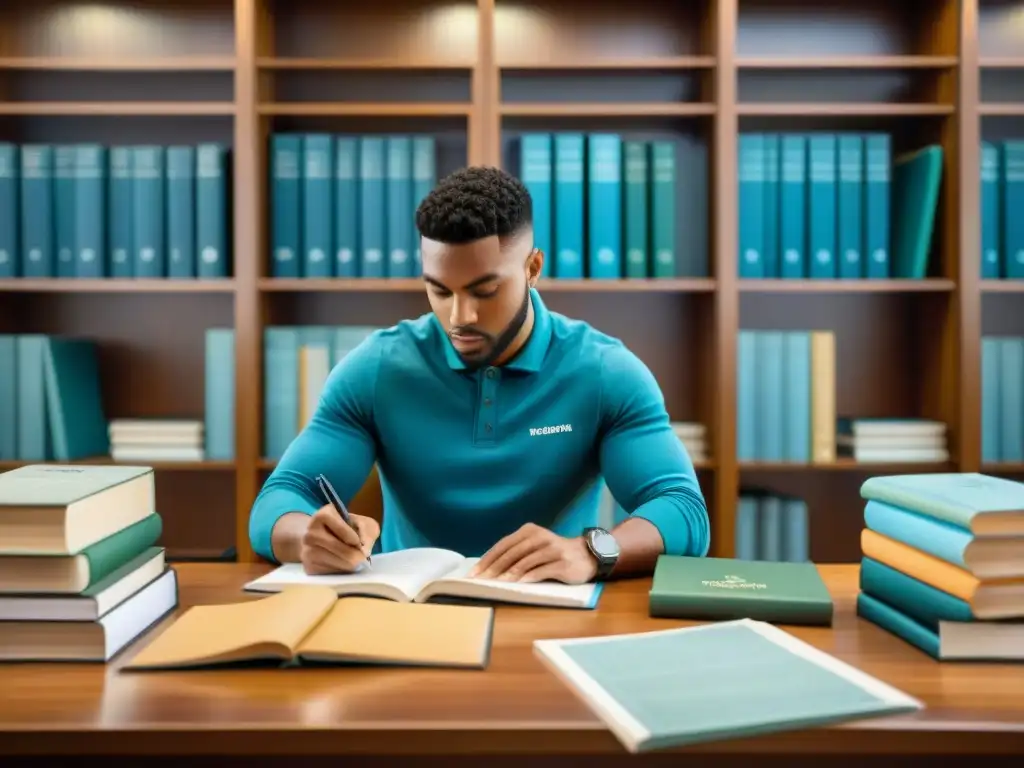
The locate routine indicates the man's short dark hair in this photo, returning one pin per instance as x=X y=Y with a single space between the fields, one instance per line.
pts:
x=474 y=203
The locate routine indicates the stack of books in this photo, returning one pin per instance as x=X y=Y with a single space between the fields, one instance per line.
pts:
x=81 y=572
x=895 y=441
x=693 y=437
x=942 y=563
x=141 y=440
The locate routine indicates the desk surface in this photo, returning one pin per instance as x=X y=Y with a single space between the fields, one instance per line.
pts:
x=515 y=706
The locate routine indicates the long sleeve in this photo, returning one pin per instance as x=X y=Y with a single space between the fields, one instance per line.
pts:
x=644 y=463
x=338 y=442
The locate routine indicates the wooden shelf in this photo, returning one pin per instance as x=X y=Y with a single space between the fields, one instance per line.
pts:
x=813 y=109
x=606 y=110
x=847 y=62
x=379 y=109
x=362 y=285
x=1001 y=110
x=652 y=64
x=1002 y=286
x=119 y=64
x=1002 y=62
x=118 y=108
x=932 y=285
x=342 y=64
x=114 y=285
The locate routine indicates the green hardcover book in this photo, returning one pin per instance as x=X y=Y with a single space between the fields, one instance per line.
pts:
x=723 y=588
x=181 y=212
x=90 y=208
x=664 y=215
x=64 y=208
x=636 y=233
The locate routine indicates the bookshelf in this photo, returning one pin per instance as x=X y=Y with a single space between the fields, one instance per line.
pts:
x=475 y=75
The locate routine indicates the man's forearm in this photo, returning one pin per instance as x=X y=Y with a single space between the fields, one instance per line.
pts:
x=286 y=536
x=640 y=544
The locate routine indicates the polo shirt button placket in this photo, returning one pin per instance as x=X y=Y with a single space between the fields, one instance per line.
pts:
x=487 y=415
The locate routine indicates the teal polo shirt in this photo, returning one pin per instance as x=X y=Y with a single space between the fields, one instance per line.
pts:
x=467 y=456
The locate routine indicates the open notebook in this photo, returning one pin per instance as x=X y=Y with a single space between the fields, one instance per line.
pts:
x=305 y=624
x=422 y=574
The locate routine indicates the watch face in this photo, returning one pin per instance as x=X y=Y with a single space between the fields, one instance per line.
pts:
x=604 y=544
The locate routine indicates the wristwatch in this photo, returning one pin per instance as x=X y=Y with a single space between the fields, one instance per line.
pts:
x=604 y=548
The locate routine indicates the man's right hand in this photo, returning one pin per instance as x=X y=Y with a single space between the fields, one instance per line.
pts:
x=330 y=545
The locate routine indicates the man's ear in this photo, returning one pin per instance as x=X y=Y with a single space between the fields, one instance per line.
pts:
x=534 y=265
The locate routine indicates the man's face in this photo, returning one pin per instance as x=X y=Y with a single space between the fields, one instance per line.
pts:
x=479 y=292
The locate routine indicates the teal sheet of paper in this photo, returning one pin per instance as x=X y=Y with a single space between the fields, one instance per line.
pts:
x=715 y=681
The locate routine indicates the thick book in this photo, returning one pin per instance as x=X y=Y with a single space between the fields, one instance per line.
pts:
x=981 y=504
x=728 y=680
x=719 y=588
x=425 y=574
x=309 y=624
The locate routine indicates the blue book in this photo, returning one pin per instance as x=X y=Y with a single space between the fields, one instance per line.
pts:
x=424 y=179
x=399 y=206
x=74 y=403
x=793 y=207
x=917 y=179
x=181 y=212
x=281 y=385
x=37 y=211
x=90 y=204
x=991 y=234
x=219 y=394
x=772 y=193
x=213 y=217
x=776 y=682
x=771 y=382
x=286 y=205
x=849 y=251
x=1013 y=204
x=747 y=401
x=1011 y=399
x=120 y=214
x=372 y=207
x=536 y=172
x=877 y=203
x=991 y=397
x=148 y=211
x=569 y=205
x=769 y=529
x=8 y=397
x=795 y=531
x=796 y=408
x=821 y=206
x=64 y=209
x=10 y=213
x=317 y=205
x=604 y=206
x=751 y=169
x=346 y=207
x=746 y=528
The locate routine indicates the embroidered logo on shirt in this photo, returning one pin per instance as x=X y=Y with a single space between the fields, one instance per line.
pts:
x=550 y=430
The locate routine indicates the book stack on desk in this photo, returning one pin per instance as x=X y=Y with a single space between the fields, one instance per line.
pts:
x=81 y=575
x=942 y=563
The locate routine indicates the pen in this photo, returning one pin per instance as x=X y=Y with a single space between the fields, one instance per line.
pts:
x=335 y=501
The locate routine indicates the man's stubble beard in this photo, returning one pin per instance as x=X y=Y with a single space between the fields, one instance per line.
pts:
x=505 y=338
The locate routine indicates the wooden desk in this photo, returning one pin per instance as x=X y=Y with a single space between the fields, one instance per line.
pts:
x=514 y=708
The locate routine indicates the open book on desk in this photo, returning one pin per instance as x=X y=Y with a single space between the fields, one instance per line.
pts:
x=425 y=574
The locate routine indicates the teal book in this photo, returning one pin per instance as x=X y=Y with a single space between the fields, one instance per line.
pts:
x=37 y=211
x=90 y=224
x=982 y=504
x=1013 y=204
x=985 y=558
x=664 y=215
x=747 y=396
x=219 y=394
x=317 y=205
x=796 y=545
x=424 y=179
x=64 y=209
x=285 y=205
x=346 y=207
x=796 y=389
x=916 y=179
x=769 y=529
x=761 y=680
x=923 y=616
x=991 y=226
x=750 y=161
x=373 y=207
x=399 y=206
x=213 y=217
x=636 y=180
x=850 y=248
x=746 y=528
x=604 y=207
x=569 y=205
x=119 y=212
x=33 y=422
x=537 y=174
x=1011 y=399
x=991 y=395
x=281 y=388
x=793 y=207
x=10 y=212
x=772 y=191
x=717 y=589
x=77 y=422
x=8 y=397
x=877 y=205
x=181 y=212
x=771 y=382
x=148 y=211
x=821 y=205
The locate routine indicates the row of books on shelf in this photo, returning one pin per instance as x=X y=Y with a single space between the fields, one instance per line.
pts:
x=51 y=406
x=771 y=527
x=345 y=206
x=942 y=563
x=786 y=408
x=1002 y=200
x=1002 y=399
x=83 y=585
x=826 y=205
x=87 y=210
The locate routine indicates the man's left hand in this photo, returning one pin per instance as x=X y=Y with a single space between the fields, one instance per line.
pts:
x=533 y=553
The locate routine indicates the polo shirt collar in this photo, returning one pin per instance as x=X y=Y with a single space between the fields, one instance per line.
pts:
x=531 y=356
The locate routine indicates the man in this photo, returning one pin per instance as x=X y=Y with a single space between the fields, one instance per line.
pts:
x=491 y=421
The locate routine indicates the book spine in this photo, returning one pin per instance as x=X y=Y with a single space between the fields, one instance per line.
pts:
x=10 y=214
x=770 y=239
x=604 y=214
x=286 y=205
x=219 y=395
x=822 y=206
x=399 y=201
x=1011 y=403
x=771 y=396
x=372 y=206
x=746 y=547
x=664 y=213
x=90 y=208
x=181 y=206
x=746 y=396
x=569 y=205
x=635 y=211
x=33 y=426
x=8 y=397
x=991 y=399
x=797 y=397
x=850 y=206
x=281 y=384
x=64 y=159
x=991 y=259
x=148 y=179
x=795 y=531
x=213 y=216
x=346 y=207
x=877 y=194
x=1013 y=204
x=424 y=178
x=535 y=171
x=317 y=205
x=120 y=222
x=751 y=169
x=823 y=397
x=37 y=210
x=793 y=207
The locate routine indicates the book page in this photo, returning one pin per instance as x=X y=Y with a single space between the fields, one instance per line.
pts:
x=401 y=574
x=251 y=629
x=553 y=593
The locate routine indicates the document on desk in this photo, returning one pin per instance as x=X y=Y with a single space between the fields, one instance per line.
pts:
x=426 y=574
x=728 y=680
